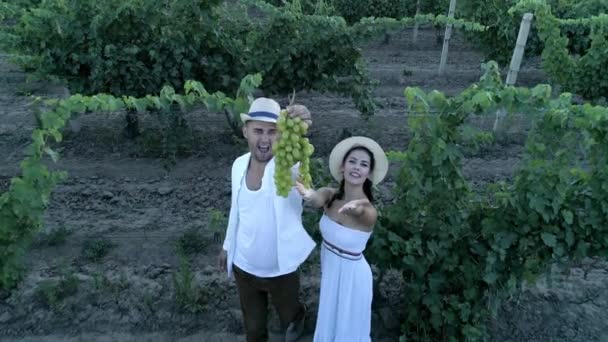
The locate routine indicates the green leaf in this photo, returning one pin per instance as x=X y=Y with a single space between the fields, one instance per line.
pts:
x=450 y=317
x=483 y=99
x=436 y=281
x=582 y=249
x=196 y=86
x=490 y=278
x=438 y=99
x=54 y=155
x=113 y=104
x=465 y=311
x=549 y=239
x=179 y=99
x=568 y=216
x=56 y=134
x=396 y=156
x=506 y=239
x=167 y=92
x=541 y=91
x=410 y=94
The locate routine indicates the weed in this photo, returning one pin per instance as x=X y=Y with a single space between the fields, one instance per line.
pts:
x=100 y=281
x=217 y=224
x=52 y=292
x=95 y=249
x=188 y=295
x=192 y=242
x=56 y=237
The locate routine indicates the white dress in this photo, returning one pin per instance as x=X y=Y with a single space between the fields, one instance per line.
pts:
x=345 y=302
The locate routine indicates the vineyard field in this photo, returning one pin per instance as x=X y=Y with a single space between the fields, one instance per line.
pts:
x=105 y=266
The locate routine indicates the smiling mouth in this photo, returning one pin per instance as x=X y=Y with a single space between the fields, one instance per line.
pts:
x=355 y=175
x=264 y=149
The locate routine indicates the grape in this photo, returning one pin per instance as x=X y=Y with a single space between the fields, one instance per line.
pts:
x=292 y=147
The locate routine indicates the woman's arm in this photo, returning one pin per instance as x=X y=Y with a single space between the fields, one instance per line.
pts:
x=316 y=198
x=362 y=210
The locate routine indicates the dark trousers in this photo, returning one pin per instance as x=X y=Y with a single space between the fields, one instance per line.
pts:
x=253 y=293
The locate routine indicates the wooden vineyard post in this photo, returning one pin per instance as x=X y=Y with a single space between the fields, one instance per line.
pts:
x=520 y=46
x=518 y=53
x=416 y=24
x=446 y=39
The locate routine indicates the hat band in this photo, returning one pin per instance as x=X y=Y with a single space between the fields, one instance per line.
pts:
x=263 y=114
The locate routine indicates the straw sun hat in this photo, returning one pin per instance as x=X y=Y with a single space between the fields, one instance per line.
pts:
x=262 y=109
x=380 y=160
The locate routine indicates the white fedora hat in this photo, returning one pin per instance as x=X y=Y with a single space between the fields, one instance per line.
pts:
x=337 y=155
x=262 y=109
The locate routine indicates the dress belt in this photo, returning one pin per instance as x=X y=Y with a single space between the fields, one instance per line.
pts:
x=341 y=252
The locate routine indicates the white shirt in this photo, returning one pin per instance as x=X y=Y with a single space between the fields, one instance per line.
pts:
x=256 y=240
x=293 y=242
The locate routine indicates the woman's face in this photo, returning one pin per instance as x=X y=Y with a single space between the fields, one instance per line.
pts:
x=356 y=167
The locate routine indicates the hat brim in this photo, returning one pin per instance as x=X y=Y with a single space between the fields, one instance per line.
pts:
x=246 y=117
x=380 y=160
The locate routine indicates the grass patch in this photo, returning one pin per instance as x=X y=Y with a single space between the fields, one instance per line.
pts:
x=188 y=295
x=96 y=249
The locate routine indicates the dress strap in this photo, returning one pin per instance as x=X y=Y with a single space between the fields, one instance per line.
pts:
x=341 y=252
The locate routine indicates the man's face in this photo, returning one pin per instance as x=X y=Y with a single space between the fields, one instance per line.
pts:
x=260 y=137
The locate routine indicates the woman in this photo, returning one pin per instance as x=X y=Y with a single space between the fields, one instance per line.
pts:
x=348 y=220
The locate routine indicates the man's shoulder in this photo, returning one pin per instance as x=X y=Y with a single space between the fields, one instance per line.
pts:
x=240 y=160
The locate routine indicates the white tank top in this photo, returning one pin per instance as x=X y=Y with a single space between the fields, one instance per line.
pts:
x=256 y=244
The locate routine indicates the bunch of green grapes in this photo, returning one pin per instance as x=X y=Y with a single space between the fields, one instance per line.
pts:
x=291 y=148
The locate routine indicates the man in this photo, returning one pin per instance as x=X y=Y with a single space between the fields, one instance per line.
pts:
x=265 y=241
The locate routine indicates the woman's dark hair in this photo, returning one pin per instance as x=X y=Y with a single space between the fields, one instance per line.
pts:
x=367 y=185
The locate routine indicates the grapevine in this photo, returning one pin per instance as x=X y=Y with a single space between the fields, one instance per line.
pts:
x=291 y=148
x=460 y=251
x=22 y=207
x=581 y=73
x=369 y=27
